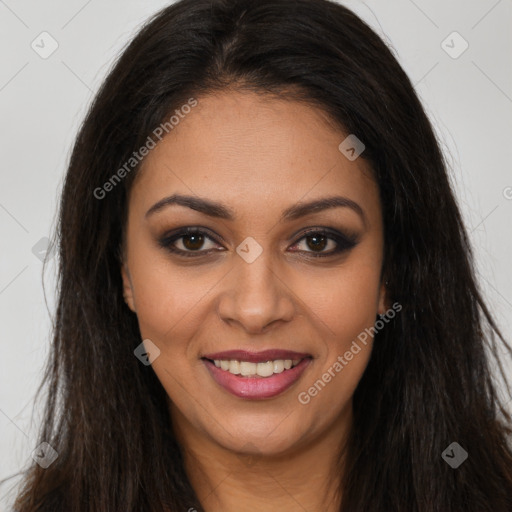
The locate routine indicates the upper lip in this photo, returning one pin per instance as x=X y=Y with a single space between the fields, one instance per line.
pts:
x=256 y=357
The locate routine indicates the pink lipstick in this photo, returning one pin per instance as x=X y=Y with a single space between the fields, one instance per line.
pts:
x=256 y=375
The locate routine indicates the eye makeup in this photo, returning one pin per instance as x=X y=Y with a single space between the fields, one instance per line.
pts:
x=193 y=238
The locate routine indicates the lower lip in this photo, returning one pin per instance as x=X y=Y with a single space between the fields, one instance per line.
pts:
x=256 y=387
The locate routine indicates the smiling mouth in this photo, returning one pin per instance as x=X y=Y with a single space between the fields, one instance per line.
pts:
x=263 y=369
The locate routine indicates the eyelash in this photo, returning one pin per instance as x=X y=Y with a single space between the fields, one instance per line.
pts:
x=344 y=242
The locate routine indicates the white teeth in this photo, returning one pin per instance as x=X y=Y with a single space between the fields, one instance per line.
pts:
x=278 y=366
x=247 y=368
x=264 y=369
x=234 y=367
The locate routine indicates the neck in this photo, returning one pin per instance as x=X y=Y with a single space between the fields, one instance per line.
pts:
x=304 y=477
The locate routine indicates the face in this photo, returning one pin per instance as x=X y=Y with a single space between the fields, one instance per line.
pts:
x=256 y=271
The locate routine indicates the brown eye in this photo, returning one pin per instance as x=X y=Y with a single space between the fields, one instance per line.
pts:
x=189 y=242
x=193 y=242
x=317 y=241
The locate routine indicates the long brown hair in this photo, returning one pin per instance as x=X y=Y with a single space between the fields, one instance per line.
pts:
x=429 y=381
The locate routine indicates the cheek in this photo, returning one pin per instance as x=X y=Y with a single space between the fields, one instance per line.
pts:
x=165 y=296
x=353 y=307
x=346 y=299
x=345 y=306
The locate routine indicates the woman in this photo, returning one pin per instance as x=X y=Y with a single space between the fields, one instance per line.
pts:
x=267 y=298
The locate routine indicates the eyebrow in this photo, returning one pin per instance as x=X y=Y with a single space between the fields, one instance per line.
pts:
x=218 y=210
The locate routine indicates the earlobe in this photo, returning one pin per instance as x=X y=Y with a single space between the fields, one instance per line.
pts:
x=127 y=288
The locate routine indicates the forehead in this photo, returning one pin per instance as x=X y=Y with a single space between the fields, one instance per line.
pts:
x=254 y=152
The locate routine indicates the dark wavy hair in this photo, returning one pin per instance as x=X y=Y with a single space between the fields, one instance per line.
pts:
x=429 y=381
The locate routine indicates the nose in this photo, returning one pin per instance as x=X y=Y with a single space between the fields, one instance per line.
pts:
x=256 y=296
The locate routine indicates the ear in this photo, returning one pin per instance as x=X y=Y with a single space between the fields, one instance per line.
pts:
x=127 y=287
x=383 y=299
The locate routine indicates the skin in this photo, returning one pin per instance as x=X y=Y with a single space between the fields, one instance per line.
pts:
x=257 y=155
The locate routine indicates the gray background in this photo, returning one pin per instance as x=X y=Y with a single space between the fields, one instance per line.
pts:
x=42 y=101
